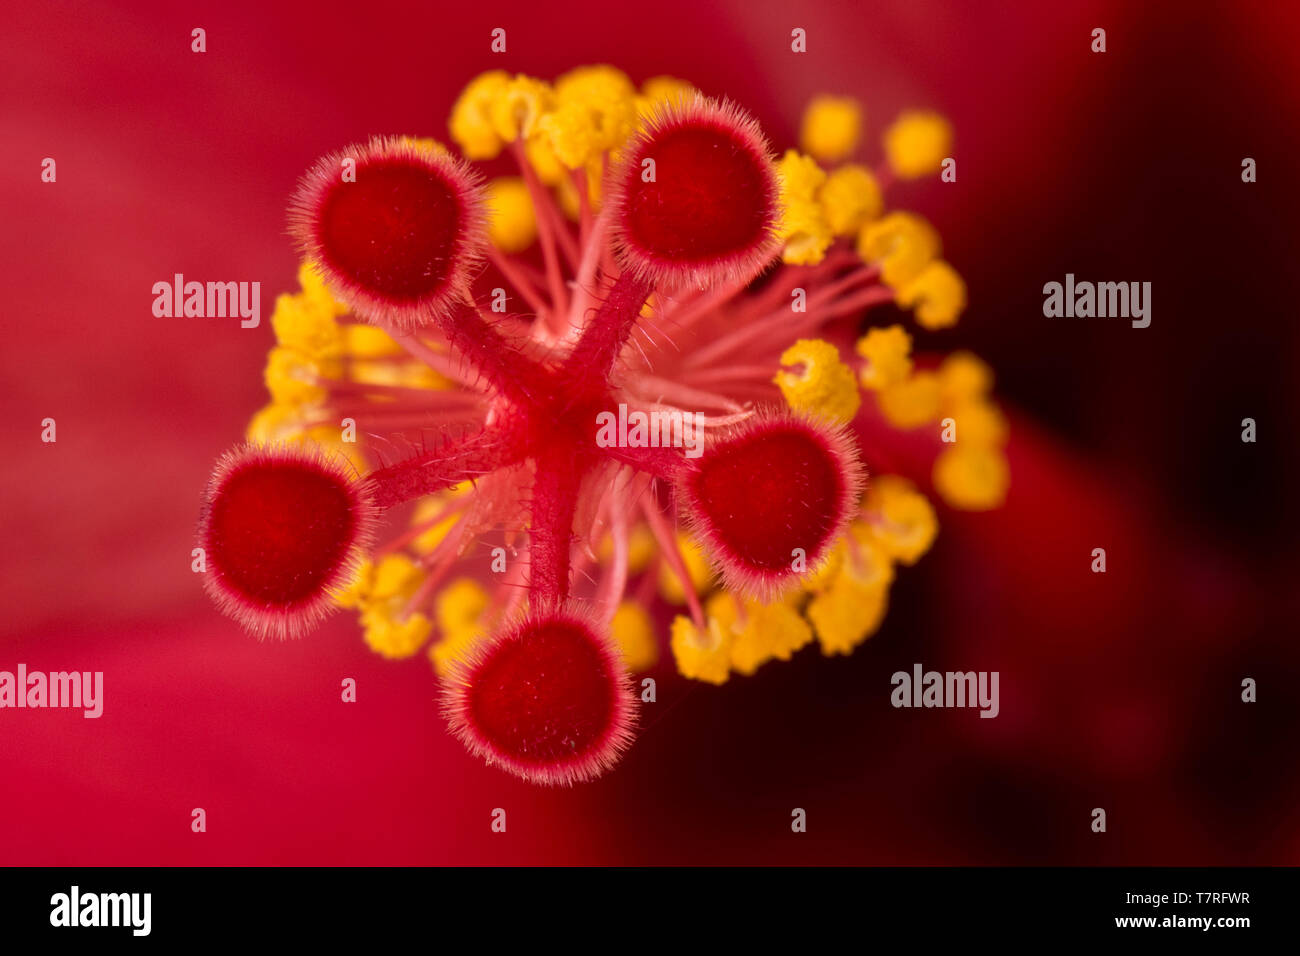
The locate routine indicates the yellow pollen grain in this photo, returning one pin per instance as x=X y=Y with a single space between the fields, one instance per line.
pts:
x=633 y=631
x=512 y=223
x=701 y=655
x=816 y=381
x=901 y=244
x=803 y=228
x=831 y=128
x=911 y=403
x=850 y=198
x=888 y=355
x=938 y=295
x=471 y=123
x=917 y=143
x=972 y=478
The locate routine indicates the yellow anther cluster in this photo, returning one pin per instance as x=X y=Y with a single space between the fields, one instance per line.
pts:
x=701 y=653
x=814 y=380
x=850 y=198
x=634 y=633
x=937 y=294
x=913 y=402
x=804 y=228
x=849 y=603
x=512 y=222
x=471 y=124
x=313 y=348
x=518 y=108
x=831 y=128
x=906 y=249
x=739 y=636
x=917 y=143
x=459 y=611
x=971 y=473
x=293 y=377
x=578 y=123
x=887 y=354
x=595 y=112
x=380 y=593
x=901 y=244
x=843 y=602
x=902 y=519
x=759 y=632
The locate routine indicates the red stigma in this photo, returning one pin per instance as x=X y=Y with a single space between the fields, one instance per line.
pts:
x=398 y=243
x=708 y=214
x=282 y=527
x=547 y=700
x=771 y=497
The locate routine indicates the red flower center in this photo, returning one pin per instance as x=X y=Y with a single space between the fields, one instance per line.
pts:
x=545 y=696
x=394 y=231
x=769 y=492
x=279 y=530
x=710 y=197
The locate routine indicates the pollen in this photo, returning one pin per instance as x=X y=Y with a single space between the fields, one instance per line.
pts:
x=888 y=357
x=816 y=381
x=804 y=228
x=460 y=609
x=917 y=143
x=965 y=376
x=831 y=128
x=901 y=244
x=938 y=295
x=302 y=324
x=394 y=637
x=572 y=136
x=904 y=522
x=608 y=97
x=913 y=402
x=381 y=595
x=512 y=223
x=846 y=614
x=850 y=198
x=760 y=631
x=471 y=123
x=518 y=108
x=293 y=377
x=702 y=653
x=315 y=295
x=972 y=478
x=368 y=342
x=634 y=633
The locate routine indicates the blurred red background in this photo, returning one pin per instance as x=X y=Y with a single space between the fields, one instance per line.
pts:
x=1119 y=691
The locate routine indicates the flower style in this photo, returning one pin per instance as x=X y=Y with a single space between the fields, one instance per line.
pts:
x=661 y=261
